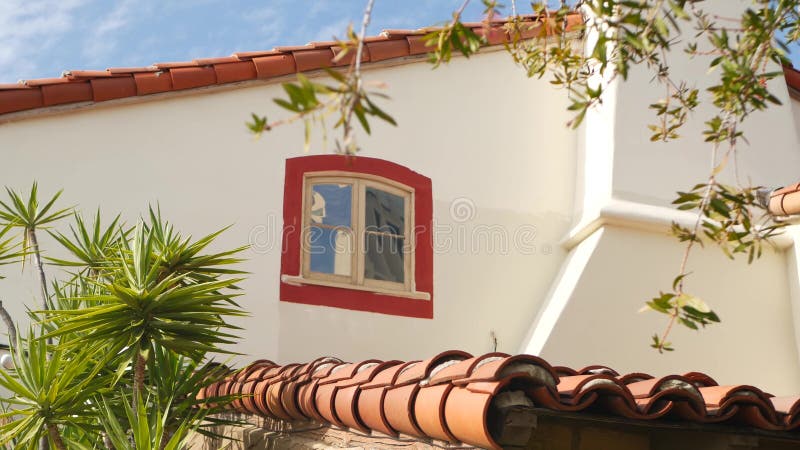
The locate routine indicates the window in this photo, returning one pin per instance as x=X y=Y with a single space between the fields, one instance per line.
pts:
x=357 y=235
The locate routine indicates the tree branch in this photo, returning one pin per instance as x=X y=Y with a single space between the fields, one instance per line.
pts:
x=356 y=75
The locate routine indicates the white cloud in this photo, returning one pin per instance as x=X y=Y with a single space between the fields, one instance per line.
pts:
x=269 y=25
x=336 y=29
x=29 y=28
x=103 y=40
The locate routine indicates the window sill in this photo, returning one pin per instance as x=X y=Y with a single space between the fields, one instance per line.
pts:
x=300 y=281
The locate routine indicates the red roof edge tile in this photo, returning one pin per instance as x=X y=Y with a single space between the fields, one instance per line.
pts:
x=80 y=85
x=12 y=100
x=61 y=93
x=192 y=77
x=152 y=82
x=110 y=88
x=792 y=77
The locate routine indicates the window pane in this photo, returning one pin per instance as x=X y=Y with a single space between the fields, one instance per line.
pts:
x=383 y=258
x=330 y=250
x=331 y=204
x=384 y=212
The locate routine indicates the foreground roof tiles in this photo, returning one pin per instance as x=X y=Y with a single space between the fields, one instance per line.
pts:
x=457 y=398
x=785 y=201
x=90 y=86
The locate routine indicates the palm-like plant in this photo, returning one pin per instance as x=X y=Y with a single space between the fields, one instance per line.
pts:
x=147 y=431
x=9 y=253
x=30 y=216
x=93 y=246
x=48 y=393
x=182 y=256
x=146 y=302
x=182 y=378
x=147 y=305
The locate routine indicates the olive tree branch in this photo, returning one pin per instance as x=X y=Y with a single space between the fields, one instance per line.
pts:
x=356 y=80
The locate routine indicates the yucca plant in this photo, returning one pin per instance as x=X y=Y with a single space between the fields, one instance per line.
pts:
x=92 y=246
x=135 y=319
x=182 y=378
x=147 y=304
x=48 y=393
x=180 y=255
x=10 y=253
x=141 y=430
x=29 y=215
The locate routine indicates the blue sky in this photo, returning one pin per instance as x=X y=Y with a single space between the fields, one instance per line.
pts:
x=42 y=38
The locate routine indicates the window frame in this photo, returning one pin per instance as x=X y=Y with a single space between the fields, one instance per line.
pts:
x=359 y=183
x=412 y=298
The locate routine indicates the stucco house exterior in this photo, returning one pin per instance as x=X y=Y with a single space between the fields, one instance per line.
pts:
x=513 y=234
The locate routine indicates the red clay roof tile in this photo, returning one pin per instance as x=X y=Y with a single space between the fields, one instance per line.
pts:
x=118 y=70
x=111 y=88
x=216 y=60
x=58 y=94
x=235 y=71
x=17 y=85
x=152 y=82
x=46 y=81
x=169 y=76
x=313 y=59
x=348 y=57
x=417 y=45
x=387 y=49
x=274 y=65
x=18 y=99
x=192 y=77
x=175 y=64
x=452 y=397
x=73 y=74
x=250 y=55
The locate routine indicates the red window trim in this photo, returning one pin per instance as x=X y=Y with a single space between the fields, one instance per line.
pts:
x=345 y=298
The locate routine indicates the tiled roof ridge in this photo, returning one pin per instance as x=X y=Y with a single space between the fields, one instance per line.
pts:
x=455 y=397
x=83 y=86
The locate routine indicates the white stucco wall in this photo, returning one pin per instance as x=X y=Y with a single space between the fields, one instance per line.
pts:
x=601 y=321
x=620 y=255
x=192 y=154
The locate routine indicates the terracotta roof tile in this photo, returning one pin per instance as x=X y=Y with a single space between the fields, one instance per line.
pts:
x=168 y=76
x=175 y=64
x=152 y=82
x=235 y=71
x=387 y=49
x=17 y=99
x=117 y=70
x=217 y=60
x=241 y=66
x=452 y=396
x=785 y=201
x=113 y=87
x=417 y=46
x=349 y=56
x=17 y=85
x=249 y=55
x=77 y=74
x=46 y=81
x=60 y=93
x=192 y=77
x=313 y=59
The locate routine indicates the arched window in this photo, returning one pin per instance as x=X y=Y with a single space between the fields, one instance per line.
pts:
x=358 y=231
